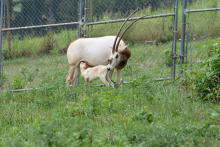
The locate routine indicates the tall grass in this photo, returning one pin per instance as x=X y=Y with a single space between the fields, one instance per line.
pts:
x=33 y=46
x=160 y=29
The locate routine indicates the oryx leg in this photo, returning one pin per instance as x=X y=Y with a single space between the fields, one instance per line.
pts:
x=72 y=74
x=76 y=76
x=119 y=76
x=69 y=78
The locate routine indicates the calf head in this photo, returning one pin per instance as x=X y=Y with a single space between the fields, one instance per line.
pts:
x=84 y=64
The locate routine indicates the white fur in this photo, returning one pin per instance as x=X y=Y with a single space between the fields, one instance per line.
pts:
x=91 y=73
x=95 y=51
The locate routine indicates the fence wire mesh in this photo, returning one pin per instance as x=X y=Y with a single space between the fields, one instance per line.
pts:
x=119 y=9
x=38 y=12
x=202 y=25
x=34 y=28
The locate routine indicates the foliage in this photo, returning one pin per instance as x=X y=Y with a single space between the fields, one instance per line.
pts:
x=207 y=80
x=18 y=82
x=48 y=44
x=168 y=57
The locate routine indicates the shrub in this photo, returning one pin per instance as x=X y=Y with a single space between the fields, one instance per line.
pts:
x=207 y=84
x=168 y=57
x=18 y=82
x=47 y=45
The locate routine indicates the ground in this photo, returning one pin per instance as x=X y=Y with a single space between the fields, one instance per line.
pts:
x=142 y=112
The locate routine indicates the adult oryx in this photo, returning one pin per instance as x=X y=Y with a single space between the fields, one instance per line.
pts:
x=105 y=50
x=95 y=51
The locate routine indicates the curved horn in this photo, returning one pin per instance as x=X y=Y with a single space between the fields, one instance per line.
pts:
x=113 y=49
x=128 y=27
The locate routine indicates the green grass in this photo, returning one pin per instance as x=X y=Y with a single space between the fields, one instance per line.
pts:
x=144 y=112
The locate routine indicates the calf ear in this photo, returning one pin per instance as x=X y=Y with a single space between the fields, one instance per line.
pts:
x=82 y=61
x=87 y=63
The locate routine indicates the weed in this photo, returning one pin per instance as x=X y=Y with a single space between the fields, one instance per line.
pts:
x=207 y=83
x=47 y=45
x=18 y=82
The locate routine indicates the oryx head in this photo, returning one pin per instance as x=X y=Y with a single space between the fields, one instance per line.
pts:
x=120 y=52
x=118 y=59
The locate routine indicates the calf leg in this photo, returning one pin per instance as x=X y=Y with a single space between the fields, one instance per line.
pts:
x=109 y=78
x=119 y=76
x=104 y=80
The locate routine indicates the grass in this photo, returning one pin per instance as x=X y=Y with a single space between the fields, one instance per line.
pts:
x=144 y=112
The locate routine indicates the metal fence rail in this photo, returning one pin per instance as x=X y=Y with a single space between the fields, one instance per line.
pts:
x=131 y=19
x=40 y=26
x=202 y=10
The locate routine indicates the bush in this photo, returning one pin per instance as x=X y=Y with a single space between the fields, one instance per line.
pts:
x=207 y=84
x=168 y=57
x=18 y=82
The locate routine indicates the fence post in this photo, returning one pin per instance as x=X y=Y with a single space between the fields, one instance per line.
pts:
x=1 y=45
x=80 y=19
x=182 y=48
x=175 y=29
x=80 y=27
x=85 y=18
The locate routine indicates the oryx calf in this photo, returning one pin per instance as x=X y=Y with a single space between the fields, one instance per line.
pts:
x=102 y=72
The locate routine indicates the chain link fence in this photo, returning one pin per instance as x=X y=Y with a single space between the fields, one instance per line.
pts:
x=19 y=13
x=33 y=28
x=200 y=21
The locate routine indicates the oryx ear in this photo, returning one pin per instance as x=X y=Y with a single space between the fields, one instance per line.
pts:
x=123 y=48
x=126 y=53
x=126 y=46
